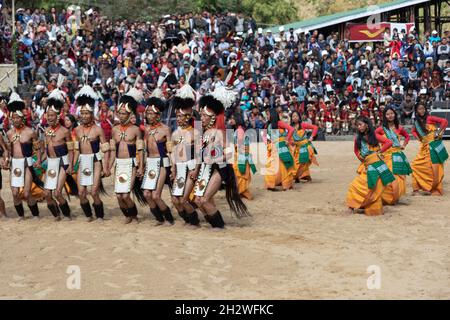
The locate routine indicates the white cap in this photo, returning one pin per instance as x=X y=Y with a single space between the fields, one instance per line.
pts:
x=309 y=53
x=281 y=29
x=250 y=31
x=329 y=88
x=277 y=39
x=423 y=91
x=434 y=32
x=324 y=52
x=368 y=48
x=269 y=31
x=260 y=30
x=354 y=73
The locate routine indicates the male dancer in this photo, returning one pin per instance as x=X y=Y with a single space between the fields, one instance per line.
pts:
x=157 y=170
x=127 y=149
x=22 y=140
x=184 y=169
x=90 y=140
x=59 y=150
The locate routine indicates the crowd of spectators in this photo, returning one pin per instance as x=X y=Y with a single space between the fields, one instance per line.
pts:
x=327 y=79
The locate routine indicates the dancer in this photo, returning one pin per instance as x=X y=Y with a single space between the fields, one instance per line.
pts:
x=4 y=160
x=394 y=157
x=304 y=151
x=280 y=164
x=184 y=168
x=59 y=151
x=373 y=174
x=157 y=170
x=127 y=148
x=428 y=166
x=214 y=170
x=243 y=164
x=92 y=164
x=22 y=141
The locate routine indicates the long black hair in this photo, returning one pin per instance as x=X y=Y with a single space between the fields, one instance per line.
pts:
x=386 y=122
x=238 y=119
x=299 y=118
x=274 y=118
x=421 y=120
x=73 y=120
x=371 y=138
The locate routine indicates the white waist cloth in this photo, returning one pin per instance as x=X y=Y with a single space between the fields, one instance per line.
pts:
x=52 y=173
x=18 y=166
x=152 y=172
x=180 y=179
x=202 y=180
x=124 y=171
x=86 y=169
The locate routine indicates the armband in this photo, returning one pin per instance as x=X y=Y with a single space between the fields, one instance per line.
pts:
x=140 y=145
x=169 y=146
x=69 y=145
x=105 y=147
x=112 y=145
x=76 y=145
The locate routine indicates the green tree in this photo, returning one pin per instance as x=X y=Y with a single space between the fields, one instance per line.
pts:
x=271 y=11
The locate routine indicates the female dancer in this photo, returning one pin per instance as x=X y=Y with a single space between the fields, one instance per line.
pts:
x=304 y=151
x=243 y=162
x=428 y=166
x=394 y=156
x=373 y=174
x=280 y=163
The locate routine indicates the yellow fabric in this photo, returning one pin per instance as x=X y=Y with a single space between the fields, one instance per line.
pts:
x=302 y=169
x=427 y=176
x=395 y=190
x=359 y=196
x=276 y=173
x=243 y=180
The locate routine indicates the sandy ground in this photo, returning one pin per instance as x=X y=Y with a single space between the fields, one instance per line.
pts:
x=300 y=244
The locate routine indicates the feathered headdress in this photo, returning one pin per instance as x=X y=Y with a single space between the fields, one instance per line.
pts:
x=86 y=98
x=55 y=100
x=130 y=100
x=16 y=104
x=184 y=98
x=225 y=95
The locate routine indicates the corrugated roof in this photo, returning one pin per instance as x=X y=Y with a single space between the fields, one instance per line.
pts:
x=333 y=19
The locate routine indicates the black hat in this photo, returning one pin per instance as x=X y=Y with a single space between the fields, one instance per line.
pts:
x=86 y=97
x=184 y=98
x=211 y=103
x=15 y=103
x=55 y=100
x=131 y=100
x=156 y=103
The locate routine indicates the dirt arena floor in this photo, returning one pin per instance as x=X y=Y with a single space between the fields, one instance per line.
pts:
x=299 y=244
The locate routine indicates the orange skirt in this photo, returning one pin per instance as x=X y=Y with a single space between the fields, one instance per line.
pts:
x=243 y=180
x=395 y=190
x=426 y=175
x=359 y=196
x=277 y=174
x=302 y=169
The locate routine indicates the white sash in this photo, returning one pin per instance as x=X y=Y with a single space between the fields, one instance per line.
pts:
x=52 y=173
x=180 y=179
x=151 y=176
x=329 y=127
x=202 y=180
x=86 y=169
x=124 y=171
x=17 y=173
